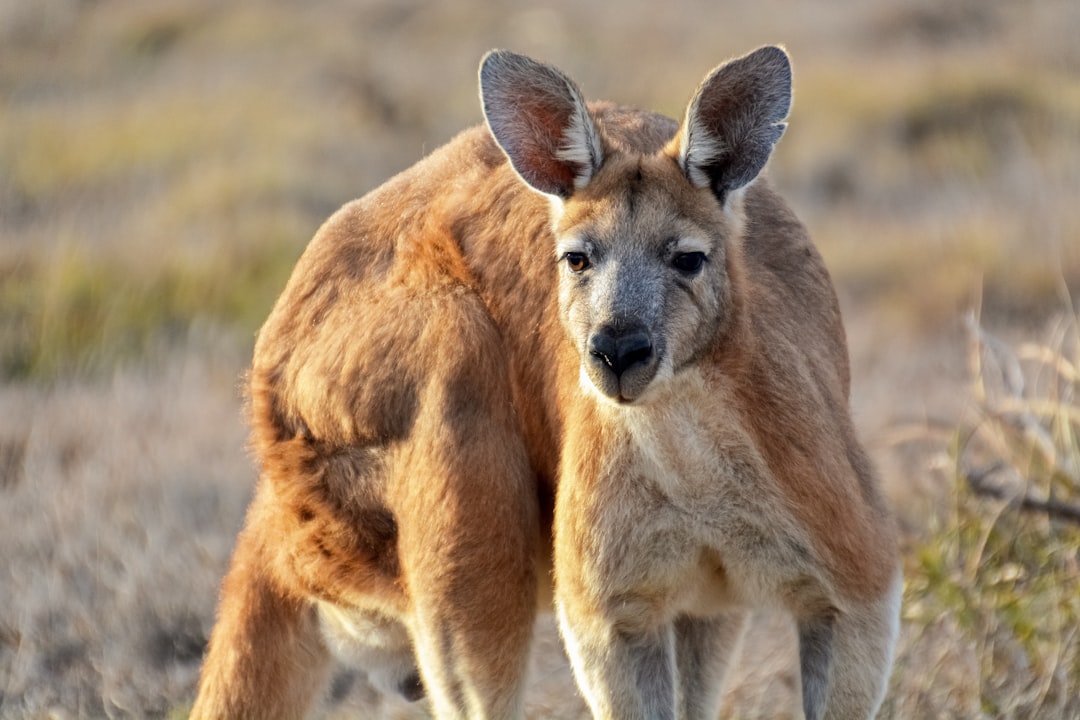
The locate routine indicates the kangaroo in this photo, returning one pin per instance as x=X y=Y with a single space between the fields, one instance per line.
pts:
x=582 y=342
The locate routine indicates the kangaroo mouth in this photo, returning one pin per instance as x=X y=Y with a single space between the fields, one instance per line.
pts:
x=625 y=387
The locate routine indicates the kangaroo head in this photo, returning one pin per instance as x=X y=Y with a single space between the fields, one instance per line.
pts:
x=642 y=236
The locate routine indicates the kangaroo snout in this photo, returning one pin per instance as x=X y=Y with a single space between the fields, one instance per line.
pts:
x=620 y=351
x=621 y=362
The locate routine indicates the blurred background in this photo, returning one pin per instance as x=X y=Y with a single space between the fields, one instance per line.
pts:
x=164 y=162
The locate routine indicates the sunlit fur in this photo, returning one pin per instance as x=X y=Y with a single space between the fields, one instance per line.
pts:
x=435 y=438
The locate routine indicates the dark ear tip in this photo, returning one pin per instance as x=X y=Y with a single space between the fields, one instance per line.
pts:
x=493 y=55
x=491 y=59
x=773 y=60
x=503 y=59
x=775 y=56
x=774 y=52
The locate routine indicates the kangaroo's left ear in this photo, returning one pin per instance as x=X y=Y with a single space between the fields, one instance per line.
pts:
x=538 y=117
x=734 y=120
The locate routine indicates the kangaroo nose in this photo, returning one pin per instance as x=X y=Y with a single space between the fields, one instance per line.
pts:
x=620 y=351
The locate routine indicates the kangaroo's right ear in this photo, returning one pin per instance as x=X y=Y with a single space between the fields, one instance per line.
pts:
x=538 y=117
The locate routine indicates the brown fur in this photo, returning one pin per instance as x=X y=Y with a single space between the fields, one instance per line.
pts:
x=417 y=406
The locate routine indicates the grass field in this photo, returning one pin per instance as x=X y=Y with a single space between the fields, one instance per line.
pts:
x=162 y=165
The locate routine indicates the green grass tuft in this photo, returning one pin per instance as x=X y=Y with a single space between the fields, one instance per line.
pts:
x=80 y=314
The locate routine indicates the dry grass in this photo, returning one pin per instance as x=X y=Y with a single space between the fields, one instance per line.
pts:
x=118 y=520
x=162 y=165
x=992 y=598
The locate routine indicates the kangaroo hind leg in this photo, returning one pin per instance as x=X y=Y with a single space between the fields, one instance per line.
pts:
x=266 y=657
x=465 y=500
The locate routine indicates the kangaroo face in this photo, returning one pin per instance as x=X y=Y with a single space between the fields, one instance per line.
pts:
x=643 y=287
x=641 y=238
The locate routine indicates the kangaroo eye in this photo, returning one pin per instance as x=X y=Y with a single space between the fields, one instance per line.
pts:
x=688 y=263
x=577 y=262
